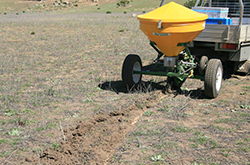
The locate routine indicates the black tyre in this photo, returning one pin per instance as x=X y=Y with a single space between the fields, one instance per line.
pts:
x=202 y=65
x=213 y=78
x=131 y=63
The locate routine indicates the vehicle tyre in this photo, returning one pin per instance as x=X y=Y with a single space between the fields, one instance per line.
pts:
x=202 y=65
x=131 y=63
x=213 y=78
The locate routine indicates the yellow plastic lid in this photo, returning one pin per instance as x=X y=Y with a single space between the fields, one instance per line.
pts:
x=173 y=13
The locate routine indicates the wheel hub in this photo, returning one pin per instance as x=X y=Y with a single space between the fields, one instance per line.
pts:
x=136 y=67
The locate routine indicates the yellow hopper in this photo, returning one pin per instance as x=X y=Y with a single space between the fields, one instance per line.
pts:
x=170 y=25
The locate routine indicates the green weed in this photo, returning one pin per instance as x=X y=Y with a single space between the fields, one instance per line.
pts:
x=10 y=112
x=6 y=153
x=181 y=129
x=244 y=148
x=49 y=125
x=148 y=113
x=214 y=144
x=39 y=129
x=163 y=109
x=26 y=111
x=87 y=100
x=157 y=158
x=201 y=139
x=171 y=145
x=223 y=120
x=3 y=141
x=194 y=145
x=55 y=146
x=245 y=106
x=14 y=132
x=226 y=152
x=246 y=88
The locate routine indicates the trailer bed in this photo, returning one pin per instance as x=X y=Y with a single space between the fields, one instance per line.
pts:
x=226 y=33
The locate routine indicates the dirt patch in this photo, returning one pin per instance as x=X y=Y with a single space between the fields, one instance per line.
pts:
x=94 y=140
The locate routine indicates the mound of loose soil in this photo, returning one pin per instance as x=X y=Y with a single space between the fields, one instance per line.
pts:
x=94 y=140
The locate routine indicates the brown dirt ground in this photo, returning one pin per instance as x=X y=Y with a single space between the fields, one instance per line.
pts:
x=98 y=139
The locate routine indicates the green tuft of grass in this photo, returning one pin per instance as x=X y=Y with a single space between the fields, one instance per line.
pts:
x=226 y=152
x=245 y=106
x=244 y=149
x=55 y=146
x=121 y=30
x=246 y=88
x=6 y=153
x=201 y=139
x=49 y=125
x=14 y=132
x=181 y=129
x=2 y=141
x=148 y=113
x=223 y=120
x=10 y=112
x=157 y=158
x=214 y=144
x=194 y=145
x=39 y=129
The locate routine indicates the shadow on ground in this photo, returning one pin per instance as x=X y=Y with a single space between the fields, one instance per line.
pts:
x=119 y=87
x=145 y=87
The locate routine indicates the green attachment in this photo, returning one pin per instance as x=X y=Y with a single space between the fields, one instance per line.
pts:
x=178 y=81
x=180 y=72
x=187 y=57
x=186 y=47
x=160 y=54
x=157 y=73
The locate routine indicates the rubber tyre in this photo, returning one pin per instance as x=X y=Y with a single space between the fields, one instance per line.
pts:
x=213 y=78
x=132 y=62
x=203 y=65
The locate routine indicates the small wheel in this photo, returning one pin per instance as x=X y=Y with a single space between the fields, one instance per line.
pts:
x=131 y=63
x=213 y=78
x=202 y=65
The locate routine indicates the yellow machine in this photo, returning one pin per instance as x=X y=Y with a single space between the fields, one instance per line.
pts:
x=170 y=29
x=172 y=24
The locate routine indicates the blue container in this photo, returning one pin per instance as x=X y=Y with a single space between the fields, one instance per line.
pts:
x=217 y=21
x=213 y=12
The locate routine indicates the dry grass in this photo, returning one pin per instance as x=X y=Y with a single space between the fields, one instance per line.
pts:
x=58 y=69
x=51 y=67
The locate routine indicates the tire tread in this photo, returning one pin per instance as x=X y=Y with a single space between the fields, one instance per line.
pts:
x=210 y=78
x=127 y=69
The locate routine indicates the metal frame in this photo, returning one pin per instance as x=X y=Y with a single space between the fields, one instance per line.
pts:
x=182 y=70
